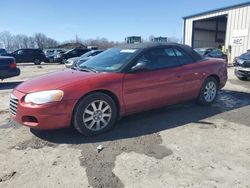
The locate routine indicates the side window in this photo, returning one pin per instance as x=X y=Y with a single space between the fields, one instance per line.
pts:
x=160 y=58
x=20 y=52
x=73 y=52
x=29 y=51
x=170 y=52
x=182 y=57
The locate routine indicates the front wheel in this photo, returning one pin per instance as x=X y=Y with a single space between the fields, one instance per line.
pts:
x=96 y=113
x=243 y=78
x=63 y=61
x=208 y=91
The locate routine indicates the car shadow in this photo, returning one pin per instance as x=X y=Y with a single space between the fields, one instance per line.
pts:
x=153 y=121
x=9 y=85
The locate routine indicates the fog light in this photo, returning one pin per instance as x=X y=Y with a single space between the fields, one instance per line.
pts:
x=29 y=119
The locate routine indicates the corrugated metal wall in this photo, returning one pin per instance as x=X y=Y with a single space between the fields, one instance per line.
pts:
x=238 y=20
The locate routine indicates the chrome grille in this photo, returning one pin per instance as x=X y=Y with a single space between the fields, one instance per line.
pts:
x=13 y=105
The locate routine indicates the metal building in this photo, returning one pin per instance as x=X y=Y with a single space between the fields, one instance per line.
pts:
x=227 y=27
x=160 y=39
x=133 y=39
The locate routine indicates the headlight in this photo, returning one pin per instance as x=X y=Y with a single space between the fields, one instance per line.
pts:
x=43 y=97
x=69 y=62
x=240 y=61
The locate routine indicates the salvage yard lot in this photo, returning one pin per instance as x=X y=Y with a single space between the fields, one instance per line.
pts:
x=184 y=145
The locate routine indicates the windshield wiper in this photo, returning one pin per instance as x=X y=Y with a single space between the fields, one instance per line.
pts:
x=88 y=69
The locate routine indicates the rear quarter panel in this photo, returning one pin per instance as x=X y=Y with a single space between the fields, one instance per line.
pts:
x=215 y=67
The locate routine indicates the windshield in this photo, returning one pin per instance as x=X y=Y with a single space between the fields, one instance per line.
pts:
x=87 y=54
x=245 y=56
x=111 y=60
x=68 y=51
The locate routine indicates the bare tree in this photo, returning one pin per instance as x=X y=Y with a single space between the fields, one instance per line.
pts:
x=22 y=40
x=101 y=43
x=50 y=43
x=6 y=40
x=40 y=40
x=31 y=42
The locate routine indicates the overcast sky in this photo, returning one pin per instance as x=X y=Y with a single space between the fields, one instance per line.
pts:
x=112 y=19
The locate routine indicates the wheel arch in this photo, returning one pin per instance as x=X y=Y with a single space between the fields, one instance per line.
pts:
x=107 y=92
x=214 y=76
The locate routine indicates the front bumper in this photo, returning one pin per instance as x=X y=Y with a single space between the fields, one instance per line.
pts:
x=57 y=59
x=242 y=71
x=68 y=64
x=49 y=59
x=53 y=115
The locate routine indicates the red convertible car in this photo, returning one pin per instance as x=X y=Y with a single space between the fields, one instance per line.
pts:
x=120 y=81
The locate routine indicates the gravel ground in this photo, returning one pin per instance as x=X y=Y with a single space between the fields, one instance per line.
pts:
x=185 y=145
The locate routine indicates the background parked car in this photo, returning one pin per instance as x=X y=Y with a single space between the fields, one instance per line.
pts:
x=8 y=67
x=211 y=52
x=51 y=56
x=62 y=58
x=28 y=55
x=74 y=61
x=57 y=56
x=242 y=66
x=2 y=51
x=53 y=51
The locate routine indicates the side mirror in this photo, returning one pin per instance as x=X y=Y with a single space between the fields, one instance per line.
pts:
x=140 y=65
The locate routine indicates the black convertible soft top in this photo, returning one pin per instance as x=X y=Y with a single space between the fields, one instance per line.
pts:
x=148 y=45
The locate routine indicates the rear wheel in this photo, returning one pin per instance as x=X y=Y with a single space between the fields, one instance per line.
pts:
x=37 y=62
x=95 y=114
x=208 y=91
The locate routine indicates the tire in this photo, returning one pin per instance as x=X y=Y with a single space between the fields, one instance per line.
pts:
x=243 y=78
x=63 y=61
x=208 y=91
x=51 y=60
x=86 y=118
x=37 y=61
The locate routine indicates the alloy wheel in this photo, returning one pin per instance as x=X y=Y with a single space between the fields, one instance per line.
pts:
x=97 y=115
x=210 y=91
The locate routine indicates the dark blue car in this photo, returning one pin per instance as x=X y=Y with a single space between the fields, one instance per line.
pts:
x=8 y=67
x=242 y=66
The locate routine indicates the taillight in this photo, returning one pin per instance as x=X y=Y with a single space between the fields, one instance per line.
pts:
x=13 y=65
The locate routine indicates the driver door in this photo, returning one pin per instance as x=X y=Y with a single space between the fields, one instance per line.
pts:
x=157 y=85
x=19 y=55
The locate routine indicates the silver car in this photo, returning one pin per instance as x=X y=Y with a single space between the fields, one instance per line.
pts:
x=73 y=61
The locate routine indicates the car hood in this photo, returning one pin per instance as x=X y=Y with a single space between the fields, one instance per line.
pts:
x=54 y=80
x=85 y=58
x=73 y=58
